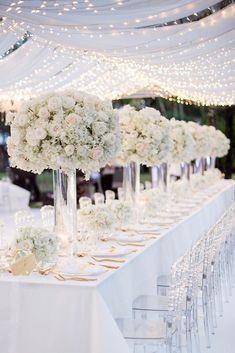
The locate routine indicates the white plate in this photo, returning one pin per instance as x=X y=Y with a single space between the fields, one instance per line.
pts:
x=128 y=237
x=109 y=252
x=88 y=270
x=165 y=221
x=149 y=225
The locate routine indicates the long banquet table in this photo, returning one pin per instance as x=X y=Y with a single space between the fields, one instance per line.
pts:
x=41 y=314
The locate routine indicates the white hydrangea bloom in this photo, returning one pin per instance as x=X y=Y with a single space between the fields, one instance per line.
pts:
x=39 y=241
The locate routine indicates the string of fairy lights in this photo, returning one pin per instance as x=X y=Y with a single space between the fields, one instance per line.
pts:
x=193 y=61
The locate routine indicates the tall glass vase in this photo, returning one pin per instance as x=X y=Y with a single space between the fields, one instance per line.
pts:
x=203 y=165
x=65 y=204
x=211 y=162
x=185 y=171
x=164 y=173
x=131 y=182
x=155 y=175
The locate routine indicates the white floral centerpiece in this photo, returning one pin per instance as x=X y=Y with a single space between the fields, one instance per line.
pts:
x=145 y=136
x=145 y=139
x=210 y=177
x=64 y=131
x=39 y=241
x=153 y=201
x=96 y=219
x=220 y=144
x=122 y=212
x=202 y=138
x=183 y=143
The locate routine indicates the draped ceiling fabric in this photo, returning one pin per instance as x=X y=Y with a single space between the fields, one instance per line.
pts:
x=114 y=49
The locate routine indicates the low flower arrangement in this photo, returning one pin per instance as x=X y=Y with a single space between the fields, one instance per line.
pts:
x=38 y=241
x=122 y=212
x=96 y=219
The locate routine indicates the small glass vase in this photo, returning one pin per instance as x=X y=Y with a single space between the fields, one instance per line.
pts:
x=65 y=204
x=131 y=182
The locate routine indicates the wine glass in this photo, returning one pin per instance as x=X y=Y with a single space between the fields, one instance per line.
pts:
x=99 y=198
x=84 y=202
x=121 y=194
x=109 y=195
x=23 y=219
x=48 y=216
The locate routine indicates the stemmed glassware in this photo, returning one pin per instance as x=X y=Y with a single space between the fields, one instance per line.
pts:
x=99 y=198
x=109 y=196
x=23 y=218
x=48 y=217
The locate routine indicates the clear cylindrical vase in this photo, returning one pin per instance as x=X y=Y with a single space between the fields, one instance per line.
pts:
x=164 y=172
x=155 y=175
x=131 y=182
x=65 y=203
x=203 y=165
x=212 y=161
x=185 y=170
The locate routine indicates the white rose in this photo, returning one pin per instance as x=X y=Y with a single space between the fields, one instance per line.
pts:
x=69 y=150
x=40 y=133
x=9 y=117
x=16 y=135
x=43 y=113
x=96 y=153
x=72 y=119
x=54 y=103
x=68 y=102
x=11 y=147
x=99 y=128
x=31 y=137
x=21 y=119
x=55 y=130
x=141 y=147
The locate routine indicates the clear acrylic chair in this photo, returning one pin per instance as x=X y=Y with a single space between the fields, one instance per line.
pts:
x=161 y=332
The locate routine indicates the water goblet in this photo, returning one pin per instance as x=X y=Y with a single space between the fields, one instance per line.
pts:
x=99 y=198
x=48 y=216
x=84 y=202
x=110 y=196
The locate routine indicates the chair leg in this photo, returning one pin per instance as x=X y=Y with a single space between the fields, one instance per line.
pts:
x=205 y=316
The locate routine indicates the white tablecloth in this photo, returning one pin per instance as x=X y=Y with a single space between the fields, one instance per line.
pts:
x=42 y=315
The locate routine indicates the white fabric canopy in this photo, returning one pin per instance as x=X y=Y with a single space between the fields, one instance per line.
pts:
x=112 y=49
